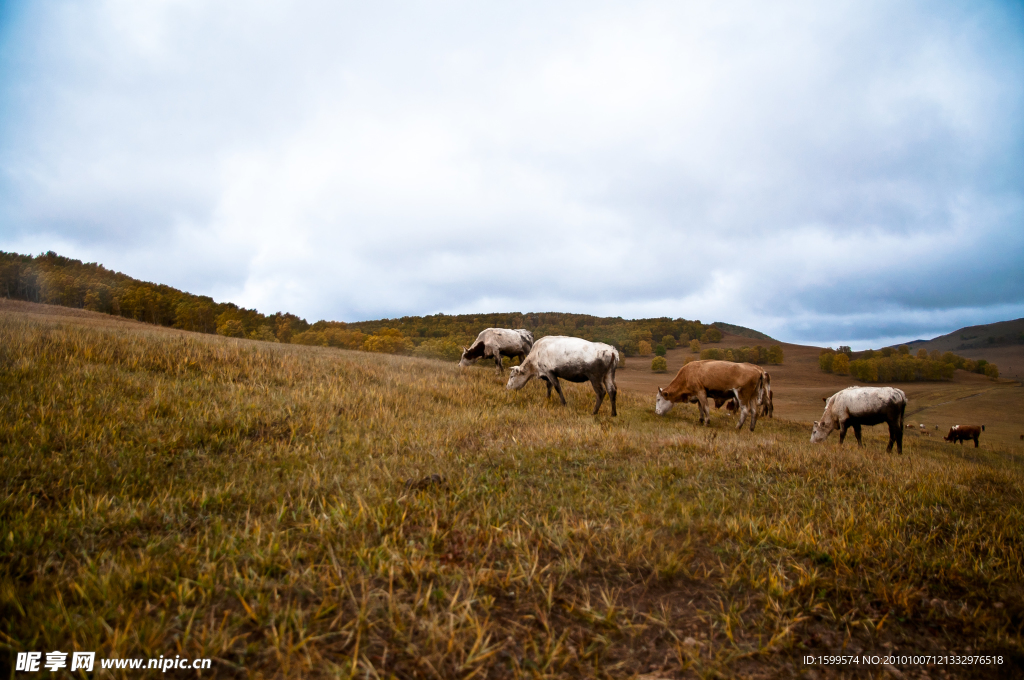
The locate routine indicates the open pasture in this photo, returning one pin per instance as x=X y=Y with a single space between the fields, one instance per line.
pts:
x=171 y=493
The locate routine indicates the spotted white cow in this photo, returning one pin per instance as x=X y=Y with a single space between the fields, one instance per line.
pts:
x=857 y=406
x=574 y=359
x=494 y=343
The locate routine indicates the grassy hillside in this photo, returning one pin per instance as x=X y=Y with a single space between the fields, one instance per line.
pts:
x=1001 y=334
x=742 y=331
x=166 y=492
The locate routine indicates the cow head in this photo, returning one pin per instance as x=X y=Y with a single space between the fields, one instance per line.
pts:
x=662 y=403
x=516 y=378
x=465 y=361
x=822 y=429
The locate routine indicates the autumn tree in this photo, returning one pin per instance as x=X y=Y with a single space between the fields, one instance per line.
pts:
x=841 y=364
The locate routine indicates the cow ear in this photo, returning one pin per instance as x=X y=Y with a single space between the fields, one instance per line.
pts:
x=825 y=399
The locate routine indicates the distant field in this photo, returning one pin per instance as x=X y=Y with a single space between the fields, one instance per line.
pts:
x=270 y=506
x=799 y=386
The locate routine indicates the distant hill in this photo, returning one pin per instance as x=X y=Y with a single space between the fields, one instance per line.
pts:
x=52 y=279
x=741 y=331
x=999 y=334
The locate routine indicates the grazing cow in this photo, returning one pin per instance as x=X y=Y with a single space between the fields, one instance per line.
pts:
x=961 y=433
x=856 y=406
x=573 y=359
x=718 y=380
x=496 y=343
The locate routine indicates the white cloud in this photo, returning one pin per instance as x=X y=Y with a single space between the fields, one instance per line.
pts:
x=812 y=171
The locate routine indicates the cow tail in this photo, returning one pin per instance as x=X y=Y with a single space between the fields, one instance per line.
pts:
x=982 y=428
x=767 y=386
x=760 y=390
x=903 y=408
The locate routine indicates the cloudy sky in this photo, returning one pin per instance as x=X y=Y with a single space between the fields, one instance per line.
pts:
x=824 y=172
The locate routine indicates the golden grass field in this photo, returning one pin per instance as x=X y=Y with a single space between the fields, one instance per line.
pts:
x=173 y=493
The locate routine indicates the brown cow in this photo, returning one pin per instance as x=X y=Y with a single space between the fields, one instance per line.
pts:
x=961 y=433
x=702 y=380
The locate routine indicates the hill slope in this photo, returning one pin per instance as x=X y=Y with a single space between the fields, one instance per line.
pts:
x=999 y=334
x=1001 y=343
x=272 y=507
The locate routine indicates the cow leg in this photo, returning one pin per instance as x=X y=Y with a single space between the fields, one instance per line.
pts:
x=741 y=409
x=842 y=432
x=497 y=360
x=609 y=387
x=558 y=388
x=975 y=442
x=899 y=440
x=548 y=383
x=753 y=413
x=702 y=407
x=856 y=433
x=599 y=391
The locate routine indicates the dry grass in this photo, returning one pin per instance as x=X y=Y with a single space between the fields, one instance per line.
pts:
x=173 y=493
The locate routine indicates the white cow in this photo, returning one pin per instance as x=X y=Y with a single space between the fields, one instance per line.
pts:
x=573 y=359
x=856 y=406
x=496 y=343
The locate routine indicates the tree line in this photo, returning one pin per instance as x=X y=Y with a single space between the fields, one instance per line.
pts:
x=53 y=279
x=898 y=365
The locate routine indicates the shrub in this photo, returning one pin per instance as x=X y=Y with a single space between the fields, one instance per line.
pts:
x=438 y=348
x=713 y=353
x=903 y=349
x=659 y=365
x=729 y=356
x=669 y=341
x=775 y=354
x=865 y=370
x=714 y=335
x=922 y=353
x=991 y=370
x=660 y=350
x=826 y=360
x=644 y=348
x=887 y=352
x=231 y=328
x=695 y=346
x=265 y=333
x=339 y=337
x=315 y=338
x=841 y=364
x=388 y=341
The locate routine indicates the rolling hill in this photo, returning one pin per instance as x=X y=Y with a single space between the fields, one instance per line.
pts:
x=299 y=511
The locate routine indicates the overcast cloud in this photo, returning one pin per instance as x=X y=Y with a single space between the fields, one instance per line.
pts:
x=824 y=172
